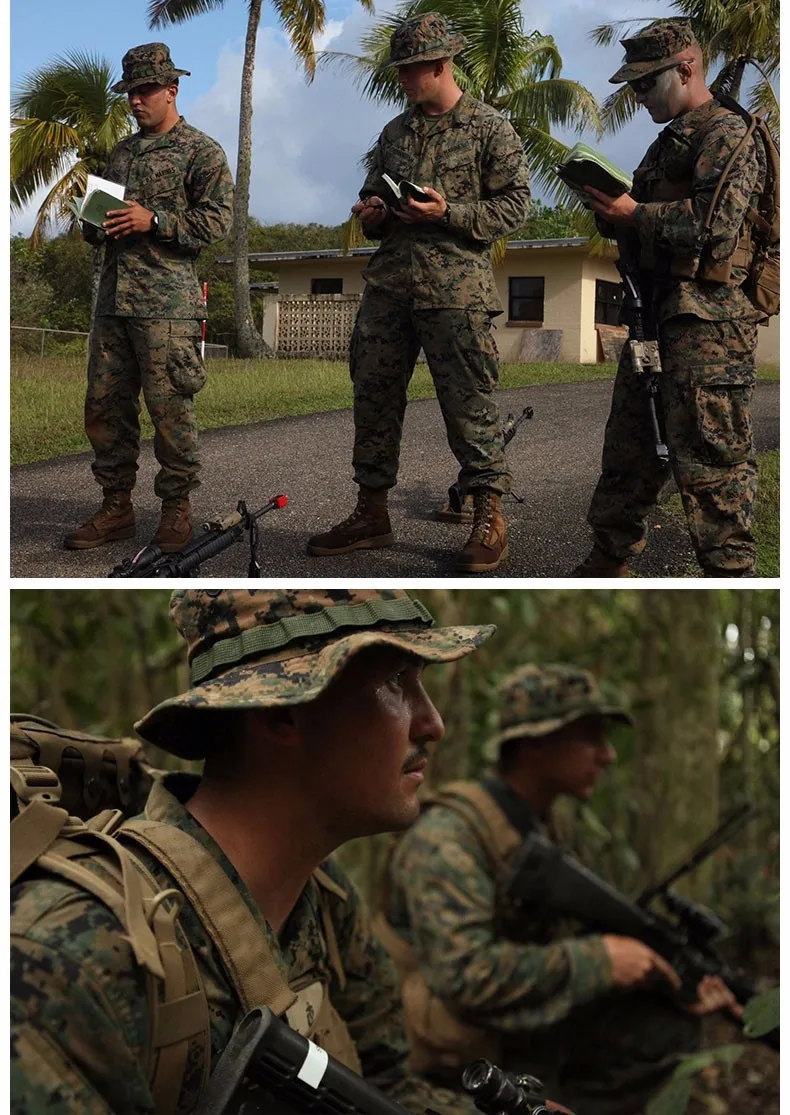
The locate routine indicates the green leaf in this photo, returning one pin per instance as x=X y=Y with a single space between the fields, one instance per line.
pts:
x=761 y=1014
x=689 y=1066
x=672 y=1099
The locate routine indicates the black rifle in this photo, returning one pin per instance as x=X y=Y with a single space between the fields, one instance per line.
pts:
x=543 y=876
x=217 y=535
x=266 y=1053
x=455 y=496
x=642 y=336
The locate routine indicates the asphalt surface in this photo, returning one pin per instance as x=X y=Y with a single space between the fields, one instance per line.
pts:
x=554 y=460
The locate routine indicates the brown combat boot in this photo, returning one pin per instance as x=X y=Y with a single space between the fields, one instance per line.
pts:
x=366 y=528
x=600 y=564
x=487 y=545
x=113 y=521
x=175 y=525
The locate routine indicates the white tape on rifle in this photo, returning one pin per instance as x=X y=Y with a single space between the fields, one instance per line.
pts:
x=314 y=1067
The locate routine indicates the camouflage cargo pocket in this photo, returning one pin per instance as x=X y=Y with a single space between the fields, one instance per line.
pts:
x=724 y=420
x=185 y=369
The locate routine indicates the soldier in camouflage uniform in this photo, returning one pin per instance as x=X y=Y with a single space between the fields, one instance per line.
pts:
x=483 y=979
x=309 y=710
x=431 y=286
x=146 y=326
x=707 y=327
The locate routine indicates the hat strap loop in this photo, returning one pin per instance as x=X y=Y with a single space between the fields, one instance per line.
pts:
x=271 y=636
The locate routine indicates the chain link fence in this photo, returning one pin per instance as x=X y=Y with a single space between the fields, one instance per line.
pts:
x=29 y=340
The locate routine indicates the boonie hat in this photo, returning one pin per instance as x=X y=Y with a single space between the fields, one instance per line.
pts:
x=250 y=648
x=660 y=44
x=149 y=64
x=537 y=700
x=423 y=38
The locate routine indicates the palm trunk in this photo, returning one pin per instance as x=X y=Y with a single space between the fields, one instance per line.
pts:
x=248 y=341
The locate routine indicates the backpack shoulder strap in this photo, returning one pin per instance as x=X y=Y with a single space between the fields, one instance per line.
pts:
x=227 y=919
x=499 y=838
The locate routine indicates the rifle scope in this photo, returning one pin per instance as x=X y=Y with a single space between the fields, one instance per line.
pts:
x=496 y=1092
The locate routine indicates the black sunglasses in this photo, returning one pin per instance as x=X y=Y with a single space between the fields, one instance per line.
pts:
x=645 y=84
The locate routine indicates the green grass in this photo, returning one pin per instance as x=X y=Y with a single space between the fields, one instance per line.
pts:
x=766 y=518
x=47 y=395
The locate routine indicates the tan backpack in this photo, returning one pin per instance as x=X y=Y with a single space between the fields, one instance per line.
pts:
x=441 y=1042
x=59 y=778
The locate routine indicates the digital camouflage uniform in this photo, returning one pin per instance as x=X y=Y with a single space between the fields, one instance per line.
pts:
x=431 y=285
x=707 y=332
x=80 y=1021
x=146 y=328
x=544 y=992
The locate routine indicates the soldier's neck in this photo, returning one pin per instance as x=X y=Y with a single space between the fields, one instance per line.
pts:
x=530 y=786
x=164 y=125
x=445 y=99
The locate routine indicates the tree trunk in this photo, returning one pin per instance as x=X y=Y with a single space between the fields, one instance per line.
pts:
x=249 y=342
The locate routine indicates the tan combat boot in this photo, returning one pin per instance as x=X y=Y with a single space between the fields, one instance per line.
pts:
x=175 y=525
x=366 y=528
x=600 y=564
x=113 y=521
x=487 y=545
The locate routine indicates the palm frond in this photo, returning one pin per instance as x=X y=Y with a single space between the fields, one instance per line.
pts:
x=763 y=99
x=554 y=101
x=302 y=20
x=351 y=235
x=618 y=108
x=54 y=209
x=163 y=12
x=605 y=34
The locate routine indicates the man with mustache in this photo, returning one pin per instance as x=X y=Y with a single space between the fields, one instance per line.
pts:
x=146 y=325
x=691 y=276
x=593 y=1016
x=309 y=710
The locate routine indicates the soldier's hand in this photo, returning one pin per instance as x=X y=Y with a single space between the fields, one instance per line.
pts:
x=713 y=994
x=616 y=210
x=132 y=218
x=371 y=211
x=418 y=212
x=634 y=963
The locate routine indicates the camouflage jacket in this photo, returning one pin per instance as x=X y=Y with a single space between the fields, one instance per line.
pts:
x=183 y=177
x=79 y=1016
x=473 y=158
x=695 y=148
x=549 y=994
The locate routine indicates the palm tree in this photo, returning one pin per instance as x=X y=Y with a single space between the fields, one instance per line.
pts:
x=732 y=36
x=65 y=121
x=300 y=21
x=515 y=71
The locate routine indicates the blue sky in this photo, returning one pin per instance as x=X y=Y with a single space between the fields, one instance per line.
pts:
x=307 y=139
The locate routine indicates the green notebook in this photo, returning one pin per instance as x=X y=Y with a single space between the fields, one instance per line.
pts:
x=98 y=199
x=585 y=166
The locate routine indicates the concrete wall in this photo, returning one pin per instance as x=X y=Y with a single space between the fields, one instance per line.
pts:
x=569 y=273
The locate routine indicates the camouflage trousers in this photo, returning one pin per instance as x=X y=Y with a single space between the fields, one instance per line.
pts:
x=706 y=385
x=163 y=358
x=464 y=365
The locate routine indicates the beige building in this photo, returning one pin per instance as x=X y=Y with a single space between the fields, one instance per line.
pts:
x=561 y=302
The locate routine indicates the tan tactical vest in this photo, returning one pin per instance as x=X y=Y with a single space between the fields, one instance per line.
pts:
x=440 y=1041
x=756 y=250
x=46 y=834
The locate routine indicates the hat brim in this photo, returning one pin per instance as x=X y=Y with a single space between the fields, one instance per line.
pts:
x=455 y=46
x=176 y=726
x=630 y=71
x=162 y=79
x=536 y=728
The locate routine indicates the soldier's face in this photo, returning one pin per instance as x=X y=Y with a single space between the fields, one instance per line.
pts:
x=418 y=80
x=150 y=104
x=666 y=97
x=365 y=742
x=575 y=757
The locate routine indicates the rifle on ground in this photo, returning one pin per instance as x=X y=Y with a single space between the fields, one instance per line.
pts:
x=459 y=506
x=217 y=535
x=543 y=876
x=266 y=1053
x=642 y=337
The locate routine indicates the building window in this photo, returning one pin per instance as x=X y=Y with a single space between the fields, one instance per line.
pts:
x=525 y=302
x=326 y=286
x=608 y=299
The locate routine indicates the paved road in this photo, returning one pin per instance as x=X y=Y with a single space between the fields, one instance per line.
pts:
x=554 y=460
